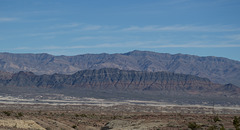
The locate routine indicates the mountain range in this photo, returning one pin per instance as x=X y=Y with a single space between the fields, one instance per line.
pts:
x=119 y=80
x=217 y=69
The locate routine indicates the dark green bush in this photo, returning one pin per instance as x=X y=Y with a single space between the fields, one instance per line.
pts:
x=193 y=126
x=74 y=126
x=20 y=114
x=83 y=115
x=236 y=122
x=7 y=113
x=216 y=119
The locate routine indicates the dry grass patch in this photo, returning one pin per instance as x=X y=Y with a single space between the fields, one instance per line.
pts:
x=22 y=124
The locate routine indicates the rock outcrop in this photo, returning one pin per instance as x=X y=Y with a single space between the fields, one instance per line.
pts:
x=119 y=80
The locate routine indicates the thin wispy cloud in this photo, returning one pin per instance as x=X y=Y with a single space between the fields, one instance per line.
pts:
x=92 y=27
x=47 y=33
x=179 y=28
x=71 y=25
x=192 y=46
x=61 y=29
x=103 y=45
x=174 y=2
x=39 y=20
x=39 y=12
x=7 y=19
x=92 y=38
x=84 y=38
x=235 y=37
x=134 y=44
x=23 y=48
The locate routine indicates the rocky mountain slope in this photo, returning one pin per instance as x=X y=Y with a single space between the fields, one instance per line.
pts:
x=120 y=80
x=217 y=69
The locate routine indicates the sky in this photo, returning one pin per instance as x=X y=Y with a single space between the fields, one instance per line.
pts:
x=73 y=27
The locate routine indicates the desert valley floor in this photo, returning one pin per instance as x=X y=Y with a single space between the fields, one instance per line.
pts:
x=96 y=114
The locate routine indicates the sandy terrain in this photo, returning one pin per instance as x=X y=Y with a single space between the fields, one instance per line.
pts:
x=127 y=117
x=22 y=124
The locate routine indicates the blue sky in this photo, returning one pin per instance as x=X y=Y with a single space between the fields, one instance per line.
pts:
x=72 y=27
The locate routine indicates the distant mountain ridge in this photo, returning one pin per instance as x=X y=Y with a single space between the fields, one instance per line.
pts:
x=120 y=80
x=217 y=69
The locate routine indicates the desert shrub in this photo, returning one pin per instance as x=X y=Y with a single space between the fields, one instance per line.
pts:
x=222 y=127
x=7 y=113
x=216 y=119
x=114 y=117
x=74 y=126
x=39 y=112
x=105 y=128
x=236 y=122
x=20 y=114
x=76 y=115
x=48 y=128
x=214 y=127
x=193 y=126
x=83 y=115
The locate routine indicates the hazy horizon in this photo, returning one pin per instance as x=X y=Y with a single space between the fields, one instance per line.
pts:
x=119 y=53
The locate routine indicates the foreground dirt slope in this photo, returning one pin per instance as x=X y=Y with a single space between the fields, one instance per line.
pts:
x=114 y=117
